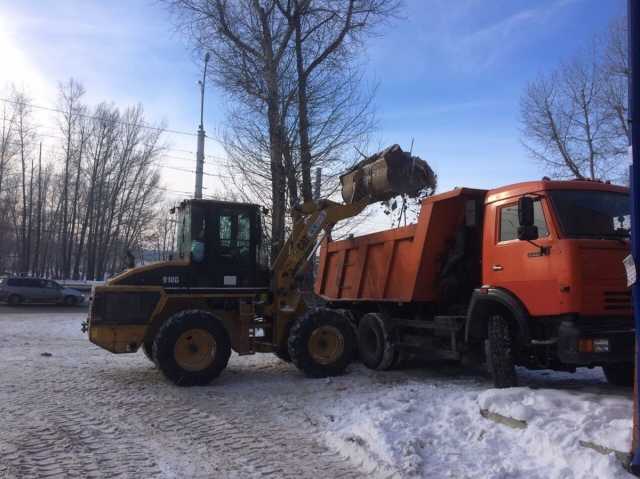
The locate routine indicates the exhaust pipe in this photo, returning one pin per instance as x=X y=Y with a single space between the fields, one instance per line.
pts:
x=386 y=174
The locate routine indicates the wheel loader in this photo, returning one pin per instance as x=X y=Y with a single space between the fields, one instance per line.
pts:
x=220 y=293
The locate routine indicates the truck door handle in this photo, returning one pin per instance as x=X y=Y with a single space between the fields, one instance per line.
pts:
x=497 y=267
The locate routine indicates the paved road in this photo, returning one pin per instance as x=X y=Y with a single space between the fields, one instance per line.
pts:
x=70 y=409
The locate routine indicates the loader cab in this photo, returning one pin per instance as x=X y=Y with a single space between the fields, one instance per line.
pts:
x=222 y=242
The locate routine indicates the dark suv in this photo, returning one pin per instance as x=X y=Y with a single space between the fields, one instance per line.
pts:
x=33 y=290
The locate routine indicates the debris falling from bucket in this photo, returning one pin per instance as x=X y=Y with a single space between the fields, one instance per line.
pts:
x=386 y=174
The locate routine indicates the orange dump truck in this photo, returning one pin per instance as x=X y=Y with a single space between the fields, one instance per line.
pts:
x=529 y=274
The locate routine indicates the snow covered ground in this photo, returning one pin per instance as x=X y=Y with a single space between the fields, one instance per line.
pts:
x=70 y=409
x=429 y=425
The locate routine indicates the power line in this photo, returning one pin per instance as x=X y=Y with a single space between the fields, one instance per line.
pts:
x=91 y=117
x=186 y=170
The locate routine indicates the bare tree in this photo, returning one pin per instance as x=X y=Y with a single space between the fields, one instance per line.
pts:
x=289 y=67
x=324 y=36
x=24 y=138
x=574 y=119
x=70 y=95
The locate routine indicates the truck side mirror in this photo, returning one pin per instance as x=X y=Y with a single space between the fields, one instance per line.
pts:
x=527 y=231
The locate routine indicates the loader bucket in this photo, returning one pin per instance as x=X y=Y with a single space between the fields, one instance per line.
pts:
x=386 y=174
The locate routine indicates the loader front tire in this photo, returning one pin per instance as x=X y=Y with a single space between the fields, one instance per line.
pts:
x=375 y=344
x=191 y=348
x=500 y=353
x=322 y=343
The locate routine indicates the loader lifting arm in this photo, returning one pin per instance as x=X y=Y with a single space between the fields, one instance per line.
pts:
x=310 y=219
x=377 y=178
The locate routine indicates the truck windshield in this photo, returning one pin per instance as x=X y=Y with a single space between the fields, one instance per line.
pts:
x=592 y=214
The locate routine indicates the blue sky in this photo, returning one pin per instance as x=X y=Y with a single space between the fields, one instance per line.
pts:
x=449 y=74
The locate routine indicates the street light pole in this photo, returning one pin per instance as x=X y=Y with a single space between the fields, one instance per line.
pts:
x=200 y=151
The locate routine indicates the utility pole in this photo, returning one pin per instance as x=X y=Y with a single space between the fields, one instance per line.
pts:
x=633 y=15
x=200 y=151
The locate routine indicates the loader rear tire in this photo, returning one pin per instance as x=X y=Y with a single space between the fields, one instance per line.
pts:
x=500 y=353
x=192 y=348
x=375 y=344
x=322 y=343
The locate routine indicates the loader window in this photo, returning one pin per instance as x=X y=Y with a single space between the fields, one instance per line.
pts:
x=235 y=235
x=244 y=234
x=225 y=231
x=509 y=221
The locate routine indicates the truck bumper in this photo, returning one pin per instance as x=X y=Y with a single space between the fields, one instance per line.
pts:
x=591 y=342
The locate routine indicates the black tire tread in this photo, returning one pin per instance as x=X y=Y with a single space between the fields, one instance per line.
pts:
x=501 y=356
x=387 y=354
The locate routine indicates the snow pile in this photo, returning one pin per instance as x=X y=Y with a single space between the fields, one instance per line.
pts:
x=434 y=428
x=559 y=421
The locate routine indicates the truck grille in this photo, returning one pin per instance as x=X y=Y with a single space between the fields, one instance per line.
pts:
x=617 y=300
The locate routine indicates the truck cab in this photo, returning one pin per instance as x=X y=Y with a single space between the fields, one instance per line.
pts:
x=564 y=288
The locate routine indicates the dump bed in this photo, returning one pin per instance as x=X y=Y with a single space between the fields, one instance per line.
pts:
x=405 y=264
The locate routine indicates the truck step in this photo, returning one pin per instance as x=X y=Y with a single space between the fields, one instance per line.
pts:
x=439 y=323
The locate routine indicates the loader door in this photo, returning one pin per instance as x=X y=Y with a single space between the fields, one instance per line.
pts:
x=516 y=265
x=232 y=248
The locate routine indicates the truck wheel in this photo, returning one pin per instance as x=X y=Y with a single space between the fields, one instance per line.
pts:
x=500 y=358
x=620 y=374
x=322 y=343
x=375 y=344
x=14 y=300
x=191 y=348
x=351 y=319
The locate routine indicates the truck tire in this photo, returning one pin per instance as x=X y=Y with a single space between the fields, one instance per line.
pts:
x=322 y=343
x=375 y=344
x=351 y=318
x=500 y=355
x=620 y=374
x=191 y=348
x=14 y=300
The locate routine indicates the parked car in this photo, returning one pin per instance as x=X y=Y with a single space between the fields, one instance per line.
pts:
x=33 y=290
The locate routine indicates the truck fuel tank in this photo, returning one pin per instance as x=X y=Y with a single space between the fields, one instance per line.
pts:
x=386 y=174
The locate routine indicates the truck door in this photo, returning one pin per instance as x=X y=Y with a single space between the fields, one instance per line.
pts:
x=519 y=266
